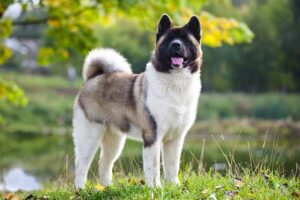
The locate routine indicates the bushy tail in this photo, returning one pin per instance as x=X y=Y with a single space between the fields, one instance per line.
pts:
x=101 y=61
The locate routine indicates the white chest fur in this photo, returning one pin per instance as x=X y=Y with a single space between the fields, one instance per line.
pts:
x=172 y=99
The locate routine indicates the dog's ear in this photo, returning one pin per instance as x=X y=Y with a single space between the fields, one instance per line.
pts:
x=164 y=24
x=194 y=27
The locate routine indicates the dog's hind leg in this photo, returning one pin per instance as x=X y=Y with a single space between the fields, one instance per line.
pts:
x=86 y=136
x=112 y=144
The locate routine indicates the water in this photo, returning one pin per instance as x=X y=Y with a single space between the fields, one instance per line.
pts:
x=17 y=179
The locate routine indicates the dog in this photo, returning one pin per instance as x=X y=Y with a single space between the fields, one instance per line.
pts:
x=156 y=107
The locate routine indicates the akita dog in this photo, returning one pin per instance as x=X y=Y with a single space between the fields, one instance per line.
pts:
x=157 y=107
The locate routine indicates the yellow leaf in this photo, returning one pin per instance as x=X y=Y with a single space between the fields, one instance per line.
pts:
x=11 y=196
x=213 y=196
x=238 y=183
x=44 y=54
x=99 y=187
x=5 y=54
x=205 y=191
x=53 y=23
x=133 y=181
x=106 y=20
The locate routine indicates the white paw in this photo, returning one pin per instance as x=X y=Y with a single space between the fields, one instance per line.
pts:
x=105 y=182
x=153 y=184
x=174 y=181
x=158 y=184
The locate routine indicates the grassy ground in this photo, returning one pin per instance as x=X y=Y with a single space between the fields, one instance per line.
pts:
x=210 y=185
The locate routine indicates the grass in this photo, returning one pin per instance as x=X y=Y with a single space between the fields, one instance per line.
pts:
x=210 y=185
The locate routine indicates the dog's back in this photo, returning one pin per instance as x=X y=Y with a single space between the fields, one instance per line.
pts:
x=111 y=91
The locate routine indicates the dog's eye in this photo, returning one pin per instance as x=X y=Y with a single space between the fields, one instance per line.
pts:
x=185 y=60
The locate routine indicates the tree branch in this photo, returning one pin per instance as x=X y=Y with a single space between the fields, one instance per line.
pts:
x=30 y=22
x=45 y=19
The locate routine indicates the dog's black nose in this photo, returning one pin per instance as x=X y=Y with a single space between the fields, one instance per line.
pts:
x=176 y=45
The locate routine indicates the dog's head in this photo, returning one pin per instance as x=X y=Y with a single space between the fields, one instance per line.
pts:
x=177 y=47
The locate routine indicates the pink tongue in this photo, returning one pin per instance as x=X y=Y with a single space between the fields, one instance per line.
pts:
x=177 y=60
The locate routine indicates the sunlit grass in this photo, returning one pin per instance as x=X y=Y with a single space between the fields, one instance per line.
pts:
x=209 y=185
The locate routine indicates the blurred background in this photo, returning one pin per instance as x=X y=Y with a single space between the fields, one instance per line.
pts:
x=248 y=113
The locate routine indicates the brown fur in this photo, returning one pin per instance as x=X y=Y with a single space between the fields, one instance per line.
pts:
x=117 y=99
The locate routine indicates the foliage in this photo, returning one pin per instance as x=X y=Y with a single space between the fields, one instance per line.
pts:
x=9 y=91
x=5 y=31
x=259 y=106
x=271 y=62
x=71 y=24
x=219 y=30
x=12 y=94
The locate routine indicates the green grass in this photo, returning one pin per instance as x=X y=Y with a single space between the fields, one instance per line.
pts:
x=208 y=185
x=36 y=82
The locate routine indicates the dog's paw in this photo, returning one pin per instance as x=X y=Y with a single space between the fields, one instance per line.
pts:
x=157 y=184
x=174 y=181
x=105 y=182
x=154 y=184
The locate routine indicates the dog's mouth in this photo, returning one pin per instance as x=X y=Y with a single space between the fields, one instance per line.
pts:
x=178 y=60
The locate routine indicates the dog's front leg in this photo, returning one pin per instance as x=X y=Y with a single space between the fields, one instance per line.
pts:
x=171 y=158
x=151 y=160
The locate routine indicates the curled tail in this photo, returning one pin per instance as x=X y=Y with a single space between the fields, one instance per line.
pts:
x=101 y=61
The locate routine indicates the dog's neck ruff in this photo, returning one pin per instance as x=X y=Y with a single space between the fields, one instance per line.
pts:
x=178 y=80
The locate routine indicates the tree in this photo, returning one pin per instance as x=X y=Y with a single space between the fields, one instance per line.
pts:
x=271 y=62
x=289 y=43
x=70 y=24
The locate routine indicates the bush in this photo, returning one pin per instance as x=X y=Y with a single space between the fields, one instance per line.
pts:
x=238 y=105
x=276 y=107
